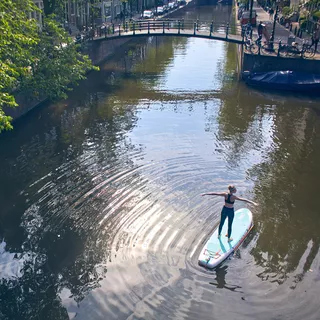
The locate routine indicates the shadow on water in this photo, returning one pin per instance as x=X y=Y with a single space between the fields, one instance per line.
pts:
x=221 y=283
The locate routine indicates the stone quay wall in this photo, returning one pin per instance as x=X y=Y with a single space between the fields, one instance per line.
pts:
x=263 y=63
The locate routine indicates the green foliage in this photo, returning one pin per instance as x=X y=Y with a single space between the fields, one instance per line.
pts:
x=316 y=15
x=18 y=35
x=286 y=11
x=38 y=63
x=59 y=63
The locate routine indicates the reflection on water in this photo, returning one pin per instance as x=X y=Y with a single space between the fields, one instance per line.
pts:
x=101 y=216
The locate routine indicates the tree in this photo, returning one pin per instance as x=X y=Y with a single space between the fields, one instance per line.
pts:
x=59 y=63
x=38 y=63
x=19 y=35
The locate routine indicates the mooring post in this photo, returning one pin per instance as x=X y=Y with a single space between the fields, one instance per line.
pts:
x=227 y=31
x=178 y=26
x=194 y=27
x=279 y=48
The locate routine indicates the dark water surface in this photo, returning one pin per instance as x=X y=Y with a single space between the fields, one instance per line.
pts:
x=101 y=215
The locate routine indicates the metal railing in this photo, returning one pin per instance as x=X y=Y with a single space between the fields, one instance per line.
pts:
x=169 y=26
x=278 y=49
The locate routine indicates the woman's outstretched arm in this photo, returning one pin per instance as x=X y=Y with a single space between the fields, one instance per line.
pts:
x=246 y=200
x=222 y=194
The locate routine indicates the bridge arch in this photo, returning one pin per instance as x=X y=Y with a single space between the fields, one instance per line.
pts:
x=180 y=28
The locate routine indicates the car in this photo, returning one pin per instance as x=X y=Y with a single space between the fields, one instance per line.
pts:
x=165 y=8
x=171 y=5
x=147 y=14
x=160 y=11
x=245 y=18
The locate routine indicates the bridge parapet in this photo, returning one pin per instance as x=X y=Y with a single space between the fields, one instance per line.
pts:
x=170 y=27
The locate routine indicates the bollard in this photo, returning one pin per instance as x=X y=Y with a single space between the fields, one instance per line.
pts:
x=178 y=26
x=227 y=31
x=197 y=24
x=182 y=26
x=242 y=34
x=134 y=28
x=194 y=28
x=105 y=32
x=163 y=25
x=279 y=48
x=148 y=27
x=113 y=28
x=126 y=26
x=119 y=30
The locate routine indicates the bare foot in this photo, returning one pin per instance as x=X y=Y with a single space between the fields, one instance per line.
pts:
x=230 y=239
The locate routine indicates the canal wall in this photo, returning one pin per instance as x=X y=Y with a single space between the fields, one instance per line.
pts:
x=263 y=63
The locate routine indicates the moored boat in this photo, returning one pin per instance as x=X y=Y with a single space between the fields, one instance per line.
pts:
x=284 y=80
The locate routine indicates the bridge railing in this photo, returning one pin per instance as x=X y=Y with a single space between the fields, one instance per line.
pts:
x=169 y=26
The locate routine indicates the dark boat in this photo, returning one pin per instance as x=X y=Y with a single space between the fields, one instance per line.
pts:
x=284 y=80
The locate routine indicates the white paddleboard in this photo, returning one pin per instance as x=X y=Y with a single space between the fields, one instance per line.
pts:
x=216 y=250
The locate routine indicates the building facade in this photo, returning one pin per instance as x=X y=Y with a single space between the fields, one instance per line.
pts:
x=38 y=16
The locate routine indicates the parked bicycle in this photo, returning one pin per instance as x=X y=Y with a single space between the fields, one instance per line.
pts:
x=247 y=31
x=257 y=46
x=251 y=46
x=305 y=50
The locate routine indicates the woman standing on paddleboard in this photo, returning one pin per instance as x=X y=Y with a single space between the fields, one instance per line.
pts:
x=228 y=210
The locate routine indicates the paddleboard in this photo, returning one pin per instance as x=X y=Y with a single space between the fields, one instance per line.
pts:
x=216 y=250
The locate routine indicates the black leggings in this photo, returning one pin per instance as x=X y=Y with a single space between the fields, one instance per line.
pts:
x=226 y=213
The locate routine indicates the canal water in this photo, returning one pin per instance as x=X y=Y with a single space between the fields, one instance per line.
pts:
x=101 y=215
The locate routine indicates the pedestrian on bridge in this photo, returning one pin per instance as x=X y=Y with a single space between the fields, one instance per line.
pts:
x=260 y=30
x=316 y=36
x=271 y=12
